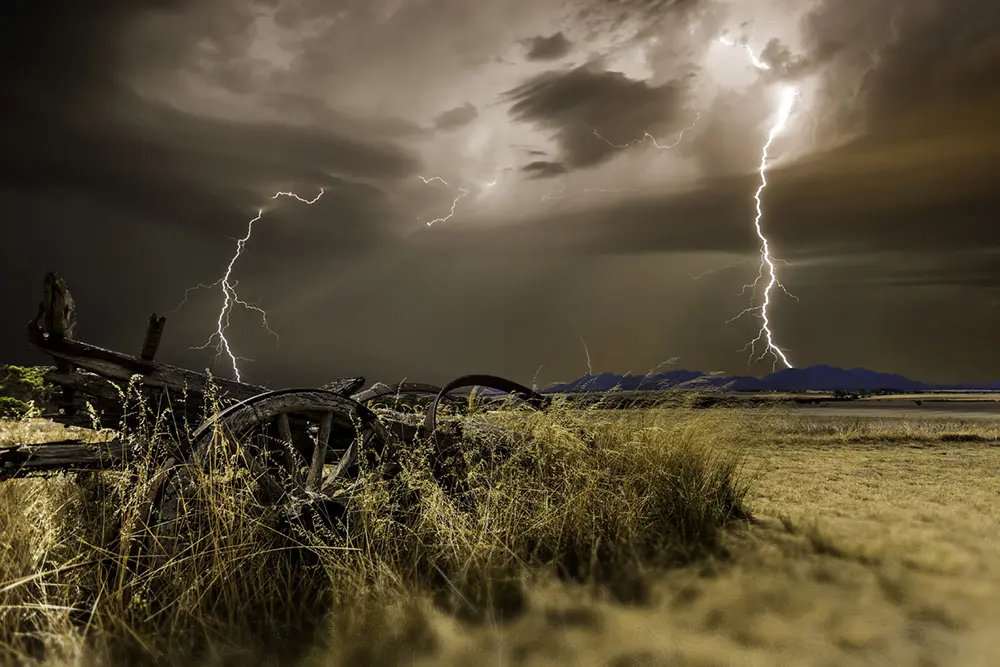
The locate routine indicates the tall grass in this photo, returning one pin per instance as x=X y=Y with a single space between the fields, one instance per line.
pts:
x=596 y=497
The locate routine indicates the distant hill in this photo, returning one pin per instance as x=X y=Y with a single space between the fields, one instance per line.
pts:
x=810 y=378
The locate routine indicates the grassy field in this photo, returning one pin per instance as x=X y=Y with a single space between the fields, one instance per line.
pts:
x=616 y=538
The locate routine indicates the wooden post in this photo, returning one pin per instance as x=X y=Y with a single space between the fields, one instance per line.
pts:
x=57 y=312
x=153 y=334
x=57 y=318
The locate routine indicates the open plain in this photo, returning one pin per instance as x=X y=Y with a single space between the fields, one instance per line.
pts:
x=908 y=406
x=875 y=540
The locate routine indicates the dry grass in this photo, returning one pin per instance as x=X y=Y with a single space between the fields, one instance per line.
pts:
x=589 y=501
x=880 y=545
x=600 y=543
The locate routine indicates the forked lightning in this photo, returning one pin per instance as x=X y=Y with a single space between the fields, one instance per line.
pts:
x=788 y=96
x=462 y=193
x=229 y=296
x=648 y=137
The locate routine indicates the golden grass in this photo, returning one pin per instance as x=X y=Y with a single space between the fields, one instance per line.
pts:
x=879 y=545
x=600 y=542
x=593 y=499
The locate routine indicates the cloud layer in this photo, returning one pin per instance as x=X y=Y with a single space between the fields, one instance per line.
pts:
x=144 y=136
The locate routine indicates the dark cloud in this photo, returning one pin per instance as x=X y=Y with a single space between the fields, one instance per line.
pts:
x=96 y=137
x=969 y=270
x=317 y=113
x=649 y=16
x=70 y=56
x=134 y=199
x=452 y=119
x=574 y=104
x=846 y=202
x=141 y=137
x=783 y=63
x=544 y=169
x=553 y=47
x=897 y=67
x=141 y=161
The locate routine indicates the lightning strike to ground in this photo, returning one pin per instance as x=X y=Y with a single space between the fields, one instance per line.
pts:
x=767 y=263
x=788 y=96
x=231 y=298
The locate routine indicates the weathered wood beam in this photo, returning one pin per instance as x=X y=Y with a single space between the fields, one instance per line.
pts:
x=154 y=331
x=57 y=312
x=119 y=366
x=23 y=460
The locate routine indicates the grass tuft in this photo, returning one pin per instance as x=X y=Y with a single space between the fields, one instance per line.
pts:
x=591 y=496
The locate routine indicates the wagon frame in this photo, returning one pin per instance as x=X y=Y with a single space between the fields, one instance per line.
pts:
x=304 y=444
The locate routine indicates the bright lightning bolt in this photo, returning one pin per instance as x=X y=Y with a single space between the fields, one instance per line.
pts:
x=230 y=296
x=433 y=178
x=462 y=194
x=788 y=96
x=757 y=62
x=648 y=137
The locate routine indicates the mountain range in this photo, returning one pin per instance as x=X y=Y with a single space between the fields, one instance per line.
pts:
x=810 y=378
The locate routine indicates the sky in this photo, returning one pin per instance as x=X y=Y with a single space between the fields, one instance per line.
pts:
x=604 y=156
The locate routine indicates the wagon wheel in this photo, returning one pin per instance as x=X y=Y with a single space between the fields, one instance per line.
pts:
x=450 y=465
x=533 y=398
x=268 y=437
x=380 y=390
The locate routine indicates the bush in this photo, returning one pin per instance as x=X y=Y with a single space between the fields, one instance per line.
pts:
x=23 y=391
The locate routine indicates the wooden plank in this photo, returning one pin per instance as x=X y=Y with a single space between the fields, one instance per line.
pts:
x=119 y=366
x=23 y=460
x=154 y=331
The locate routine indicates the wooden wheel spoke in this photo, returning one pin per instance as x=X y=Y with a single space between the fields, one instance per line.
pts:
x=349 y=458
x=319 y=452
x=291 y=459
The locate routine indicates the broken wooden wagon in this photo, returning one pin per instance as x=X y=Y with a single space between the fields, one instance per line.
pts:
x=303 y=444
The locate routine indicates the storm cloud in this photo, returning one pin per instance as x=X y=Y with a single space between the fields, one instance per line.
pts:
x=455 y=118
x=579 y=104
x=553 y=47
x=141 y=138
